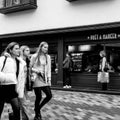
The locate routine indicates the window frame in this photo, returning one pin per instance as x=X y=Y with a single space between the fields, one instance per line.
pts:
x=12 y=7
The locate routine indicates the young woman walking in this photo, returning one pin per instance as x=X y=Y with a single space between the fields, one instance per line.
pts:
x=12 y=71
x=41 y=69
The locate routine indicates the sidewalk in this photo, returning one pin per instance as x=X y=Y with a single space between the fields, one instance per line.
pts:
x=72 y=105
x=88 y=90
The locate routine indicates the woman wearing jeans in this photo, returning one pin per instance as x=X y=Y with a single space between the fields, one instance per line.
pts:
x=40 y=66
x=9 y=81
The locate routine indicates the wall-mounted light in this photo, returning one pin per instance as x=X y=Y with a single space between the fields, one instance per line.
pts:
x=84 y=48
x=71 y=48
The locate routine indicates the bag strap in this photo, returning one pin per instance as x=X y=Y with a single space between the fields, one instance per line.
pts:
x=4 y=63
x=17 y=65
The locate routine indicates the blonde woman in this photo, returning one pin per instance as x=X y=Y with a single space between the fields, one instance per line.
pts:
x=41 y=67
x=102 y=66
x=24 y=54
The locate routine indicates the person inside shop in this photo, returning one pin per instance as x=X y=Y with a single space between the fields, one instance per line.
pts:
x=67 y=68
x=103 y=68
x=40 y=67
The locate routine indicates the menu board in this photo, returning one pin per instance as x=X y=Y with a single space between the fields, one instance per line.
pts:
x=77 y=61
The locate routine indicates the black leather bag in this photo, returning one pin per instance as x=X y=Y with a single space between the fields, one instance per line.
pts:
x=106 y=68
x=11 y=116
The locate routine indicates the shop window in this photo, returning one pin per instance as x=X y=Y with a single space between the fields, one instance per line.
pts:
x=9 y=6
x=86 y=58
x=54 y=57
x=113 y=57
x=54 y=63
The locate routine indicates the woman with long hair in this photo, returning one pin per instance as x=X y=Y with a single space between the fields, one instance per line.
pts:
x=102 y=68
x=40 y=66
x=24 y=54
x=12 y=71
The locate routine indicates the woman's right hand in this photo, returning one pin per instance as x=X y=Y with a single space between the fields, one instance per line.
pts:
x=33 y=77
x=35 y=70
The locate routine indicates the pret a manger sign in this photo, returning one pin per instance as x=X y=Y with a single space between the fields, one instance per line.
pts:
x=103 y=36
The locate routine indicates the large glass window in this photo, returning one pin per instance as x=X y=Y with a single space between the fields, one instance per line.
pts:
x=86 y=58
x=113 y=56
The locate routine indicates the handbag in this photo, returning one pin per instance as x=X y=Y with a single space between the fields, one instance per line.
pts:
x=10 y=115
x=106 y=68
x=103 y=77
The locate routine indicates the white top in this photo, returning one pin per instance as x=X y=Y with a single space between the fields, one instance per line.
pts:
x=44 y=68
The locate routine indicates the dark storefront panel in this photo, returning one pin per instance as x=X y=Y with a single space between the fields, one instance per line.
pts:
x=84 y=45
x=85 y=51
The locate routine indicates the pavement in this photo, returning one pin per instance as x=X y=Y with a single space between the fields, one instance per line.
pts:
x=72 y=105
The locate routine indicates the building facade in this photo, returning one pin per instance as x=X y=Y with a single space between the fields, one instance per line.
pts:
x=82 y=27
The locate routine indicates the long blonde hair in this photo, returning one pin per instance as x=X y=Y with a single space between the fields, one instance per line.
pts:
x=22 y=49
x=39 y=51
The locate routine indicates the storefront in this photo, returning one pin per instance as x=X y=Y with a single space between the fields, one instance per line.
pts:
x=84 y=43
x=85 y=51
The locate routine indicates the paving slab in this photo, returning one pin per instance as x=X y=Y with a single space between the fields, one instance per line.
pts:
x=71 y=105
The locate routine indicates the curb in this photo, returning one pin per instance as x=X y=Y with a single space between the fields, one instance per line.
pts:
x=111 y=92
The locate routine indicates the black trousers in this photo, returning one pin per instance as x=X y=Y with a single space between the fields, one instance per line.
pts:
x=104 y=86
x=8 y=95
x=38 y=92
x=66 y=77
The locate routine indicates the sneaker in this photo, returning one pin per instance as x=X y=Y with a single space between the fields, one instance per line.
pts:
x=67 y=86
x=70 y=86
x=64 y=86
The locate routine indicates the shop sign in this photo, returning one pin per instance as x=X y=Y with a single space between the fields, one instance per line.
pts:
x=108 y=36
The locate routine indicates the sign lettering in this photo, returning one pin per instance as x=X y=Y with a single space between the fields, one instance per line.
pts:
x=109 y=36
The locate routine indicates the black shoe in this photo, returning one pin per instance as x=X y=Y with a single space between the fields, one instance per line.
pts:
x=38 y=117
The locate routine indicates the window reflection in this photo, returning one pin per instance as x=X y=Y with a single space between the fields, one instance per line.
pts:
x=54 y=63
x=86 y=57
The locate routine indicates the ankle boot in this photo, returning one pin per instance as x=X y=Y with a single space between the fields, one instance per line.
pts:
x=38 y=116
